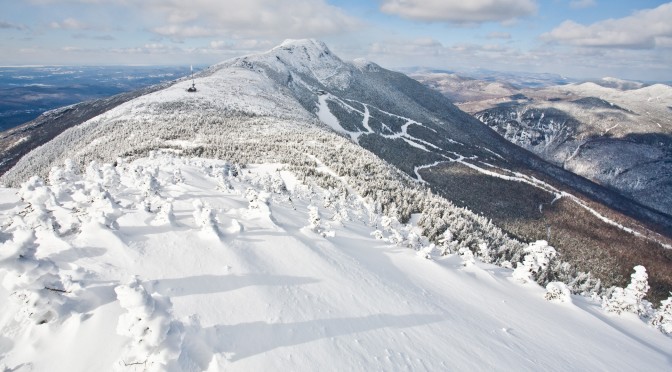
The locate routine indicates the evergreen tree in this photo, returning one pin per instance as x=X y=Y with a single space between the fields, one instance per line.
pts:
x=662 y=318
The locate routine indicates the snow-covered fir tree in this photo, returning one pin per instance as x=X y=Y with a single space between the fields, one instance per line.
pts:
x=631 y=298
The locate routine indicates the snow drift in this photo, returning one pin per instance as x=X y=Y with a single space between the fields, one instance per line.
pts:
x=257 y=284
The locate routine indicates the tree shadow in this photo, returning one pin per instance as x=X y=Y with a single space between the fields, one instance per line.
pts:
x=139 y=233
x=73 y=254
x=208 y=284
x=615 y=323
x=245 y=340
x=93 y=297
x=8 y=206
x=6 y=345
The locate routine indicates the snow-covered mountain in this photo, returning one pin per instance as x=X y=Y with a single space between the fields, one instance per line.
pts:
x=617 y=138
x=611 y=82
x=292 y=94
x=306 y=243
x=461 y=89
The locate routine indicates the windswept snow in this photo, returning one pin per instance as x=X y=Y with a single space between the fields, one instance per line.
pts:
x=150 y=287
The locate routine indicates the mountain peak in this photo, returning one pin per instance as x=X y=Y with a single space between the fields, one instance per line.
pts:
x=309 y=57
x=309 y=45
x=365 y=64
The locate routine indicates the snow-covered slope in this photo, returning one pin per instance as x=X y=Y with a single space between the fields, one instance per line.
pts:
x=618 y=138
x=188 y=264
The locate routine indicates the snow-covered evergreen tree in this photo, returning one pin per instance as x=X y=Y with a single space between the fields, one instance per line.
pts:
x=467 y=256
x=314 y=220
x=155 y=337
x=177 y=176
x=631 y=298
x=662 y=318
x=165 y=215
x=34 y=283
x=537 y=260
x=204 y=217
x=446 y=243
x=378 y=234
x=252 y=197
x=558 y=292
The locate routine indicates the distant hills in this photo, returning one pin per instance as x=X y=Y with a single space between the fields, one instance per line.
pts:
x=27 y=92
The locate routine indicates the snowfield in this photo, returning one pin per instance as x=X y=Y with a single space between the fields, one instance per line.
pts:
x=189 y=264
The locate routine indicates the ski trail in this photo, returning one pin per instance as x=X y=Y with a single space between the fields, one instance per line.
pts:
x=404 y=135
x=414 y=144
x=327 y=117
x=421 y=167
x=492 y=152
x=532 y=181
x=365 y=121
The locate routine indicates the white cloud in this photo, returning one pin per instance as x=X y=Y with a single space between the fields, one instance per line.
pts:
x=71 y=49
x=460 y=11
x=416 y=47
x=580 y=4
x=401 y=51
x=644 y=29
x=499 y=35
x=151 y=48
x=288 y=18
x=179 y=32
x=105 y=37
x=573 y=62
x=236 y=18
x=69 y=24
x=219 y=44
x=240 y=45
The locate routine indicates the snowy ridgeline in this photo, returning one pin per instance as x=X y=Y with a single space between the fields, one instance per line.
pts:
x=244 y=113
x=175 y=263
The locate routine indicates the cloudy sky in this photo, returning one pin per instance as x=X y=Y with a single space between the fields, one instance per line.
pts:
x=630 y=39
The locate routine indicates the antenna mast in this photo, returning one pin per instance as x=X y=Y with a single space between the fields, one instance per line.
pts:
x=192 y=88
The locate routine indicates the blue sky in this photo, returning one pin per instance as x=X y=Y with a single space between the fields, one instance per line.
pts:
x=576 y=38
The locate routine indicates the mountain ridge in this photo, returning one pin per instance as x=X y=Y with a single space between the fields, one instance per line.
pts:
x=276 y=96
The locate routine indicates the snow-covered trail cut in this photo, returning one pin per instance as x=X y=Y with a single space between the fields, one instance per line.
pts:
x=213 y=267
x=327 y=117
x=417 y=169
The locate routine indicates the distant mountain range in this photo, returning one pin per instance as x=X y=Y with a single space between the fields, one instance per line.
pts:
x=614 y=132
x=516 y=79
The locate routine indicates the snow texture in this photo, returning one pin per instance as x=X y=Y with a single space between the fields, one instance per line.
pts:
x=268 y=293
